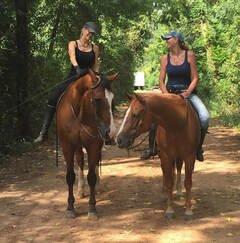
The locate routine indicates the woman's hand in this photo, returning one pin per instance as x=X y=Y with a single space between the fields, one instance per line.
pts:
x=185 y=94
x=78 y=70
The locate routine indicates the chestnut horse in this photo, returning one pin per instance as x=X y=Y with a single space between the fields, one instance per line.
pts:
x=177 y=137
x=84 y=120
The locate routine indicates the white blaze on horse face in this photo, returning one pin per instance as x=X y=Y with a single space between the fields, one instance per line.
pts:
x=124 y=121
x=109 y=95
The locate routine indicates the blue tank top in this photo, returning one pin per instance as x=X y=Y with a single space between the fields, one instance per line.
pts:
x=178 y=75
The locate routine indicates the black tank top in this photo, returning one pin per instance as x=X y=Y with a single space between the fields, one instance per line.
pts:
x=84 y=59
x=178 y=74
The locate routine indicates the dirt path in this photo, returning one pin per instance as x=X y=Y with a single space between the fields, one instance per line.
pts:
x=33 y=198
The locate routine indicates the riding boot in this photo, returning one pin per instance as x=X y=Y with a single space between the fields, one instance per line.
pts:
x=152 y=150
x=200 y=150
x=49 y=113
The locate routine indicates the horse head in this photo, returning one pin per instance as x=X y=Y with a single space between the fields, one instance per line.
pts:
x=102 y=97
x=137 y=120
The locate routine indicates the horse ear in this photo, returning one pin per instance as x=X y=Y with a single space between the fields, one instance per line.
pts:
x=112 y=77
x=129 y=96
x=92 y=74
x=140 y=98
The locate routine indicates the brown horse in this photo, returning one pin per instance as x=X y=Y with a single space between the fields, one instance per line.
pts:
x=84 y=120
x=178 y=136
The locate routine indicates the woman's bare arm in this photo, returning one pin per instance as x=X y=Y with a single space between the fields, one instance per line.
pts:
x=194 y=74
x=71 y=52
x=96 y=65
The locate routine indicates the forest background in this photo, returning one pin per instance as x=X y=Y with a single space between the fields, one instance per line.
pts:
x=33 y=52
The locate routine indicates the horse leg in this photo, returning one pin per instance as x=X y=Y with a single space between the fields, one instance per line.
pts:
x=93 y=159
x=98 y=177
x=68 y=152
x=81 y=181
x=164 y=188
x=167 y=168
x=189 y=167
x=179 y=164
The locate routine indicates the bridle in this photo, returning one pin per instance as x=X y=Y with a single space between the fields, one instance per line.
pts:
x=96 y=118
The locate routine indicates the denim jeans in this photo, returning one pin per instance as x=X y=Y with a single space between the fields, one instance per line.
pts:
x=201 y=110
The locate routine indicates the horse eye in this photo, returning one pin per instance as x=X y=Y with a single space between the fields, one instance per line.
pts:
x=136 y=115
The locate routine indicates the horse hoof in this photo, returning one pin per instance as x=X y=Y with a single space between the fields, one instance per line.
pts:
x=92 y=215
x=71 y=214
x=169 y=215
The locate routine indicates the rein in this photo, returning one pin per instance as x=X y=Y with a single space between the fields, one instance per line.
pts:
x=90 y=134
x=138 y=144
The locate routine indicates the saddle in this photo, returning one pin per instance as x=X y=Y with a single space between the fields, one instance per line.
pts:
x=180 y=88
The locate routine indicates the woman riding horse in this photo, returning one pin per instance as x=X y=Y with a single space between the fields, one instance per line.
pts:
x=179 y=65
x=83 y=55
x=84 y=120
x=178 y=136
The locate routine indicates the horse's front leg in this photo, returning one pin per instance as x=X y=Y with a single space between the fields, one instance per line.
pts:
x=94 y=155
x=81 y=180
x=179 y=164
x=68 y=152
x=189 y=168
x=167 y=168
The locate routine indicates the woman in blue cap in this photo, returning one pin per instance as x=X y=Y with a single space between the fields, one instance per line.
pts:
x=179 y=66
x=83 y=54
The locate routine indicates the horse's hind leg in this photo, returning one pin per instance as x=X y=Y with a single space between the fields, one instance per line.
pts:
x=179 y=164
x=189 y=167
x=68 y=153
x=81 y=181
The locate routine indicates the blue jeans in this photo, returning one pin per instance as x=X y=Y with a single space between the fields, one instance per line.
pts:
x=201 y=110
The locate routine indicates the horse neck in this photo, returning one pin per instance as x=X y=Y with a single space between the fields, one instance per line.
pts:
x=86 y=114
x=83 y=84
x=78 y=90
x=146 y=122
x=169 y=111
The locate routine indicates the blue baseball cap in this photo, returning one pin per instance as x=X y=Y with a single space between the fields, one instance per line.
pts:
x=175 y=34
x=92 y=27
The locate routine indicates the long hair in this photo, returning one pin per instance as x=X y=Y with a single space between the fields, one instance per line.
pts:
x=183 y=46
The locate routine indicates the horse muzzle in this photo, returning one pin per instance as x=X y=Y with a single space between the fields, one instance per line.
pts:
x=104 y=131
x=124 y=141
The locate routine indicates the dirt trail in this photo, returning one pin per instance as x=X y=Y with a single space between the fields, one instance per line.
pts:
x=33 y=197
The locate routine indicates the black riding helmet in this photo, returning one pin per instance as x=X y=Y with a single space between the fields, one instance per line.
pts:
x=91 y=26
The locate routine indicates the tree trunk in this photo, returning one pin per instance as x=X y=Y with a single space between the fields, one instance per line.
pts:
x=55 y=28
x=22 y=43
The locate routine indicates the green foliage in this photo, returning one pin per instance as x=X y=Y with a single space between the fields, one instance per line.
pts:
x=212 y=31
x=129 y=41
x=48 y=61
